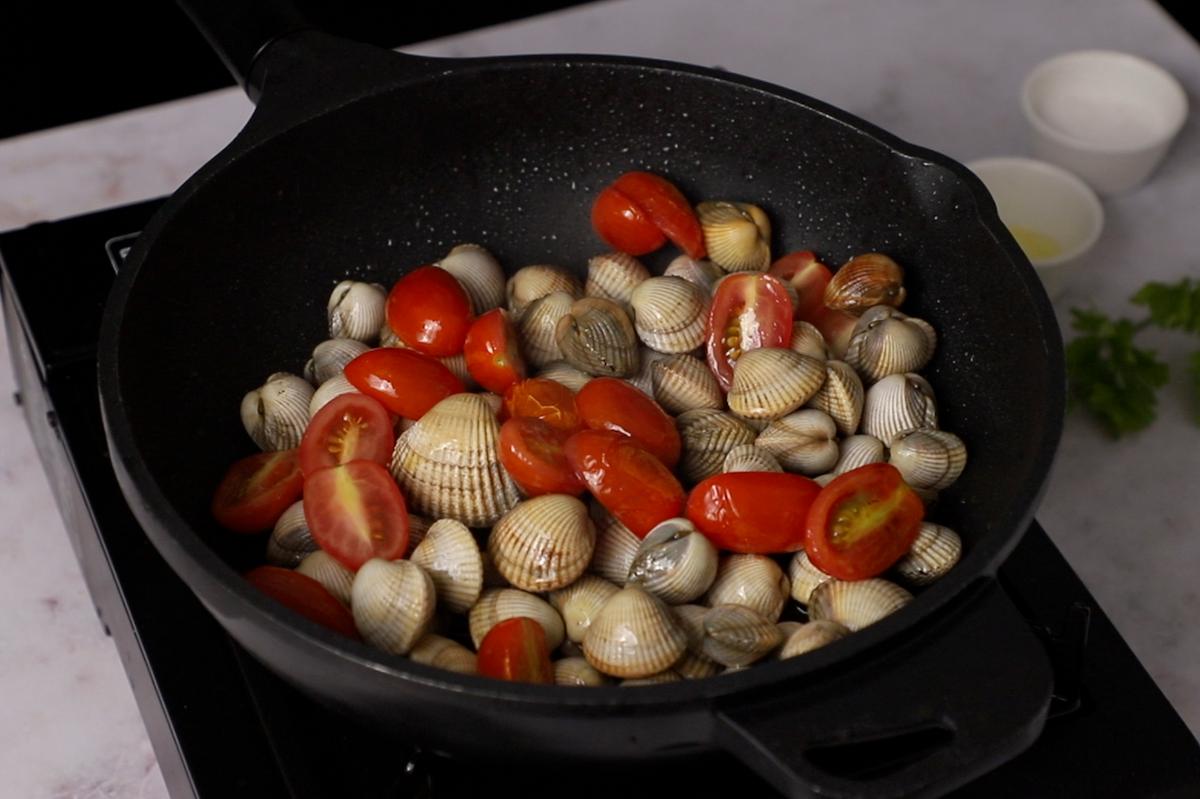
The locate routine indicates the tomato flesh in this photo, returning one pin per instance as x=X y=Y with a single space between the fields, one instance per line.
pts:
x=350 y=427
x=606 y=403
x=808 y=276
x=515 y=650
x=632 y=484
x=430 y=311
x=304 y=595
x=545 y=399
x=623 y=225
x=256 y=490
x=749 y=310
x=491 y=351
x=666 y=207
x=406 y=382
x=862 y=522
x=756 y=512
x=531 y=451
x=356 y=512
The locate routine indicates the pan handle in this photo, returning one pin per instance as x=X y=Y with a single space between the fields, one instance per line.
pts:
x=920 y=720
x=240 y=31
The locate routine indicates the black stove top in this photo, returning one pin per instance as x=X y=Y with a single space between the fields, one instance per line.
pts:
x=222 y=726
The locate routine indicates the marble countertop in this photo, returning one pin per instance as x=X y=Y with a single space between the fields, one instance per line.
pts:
x=943 y=73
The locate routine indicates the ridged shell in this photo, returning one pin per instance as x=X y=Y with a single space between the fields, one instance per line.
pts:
x=841 y=396
x=670 y=314
x=683 y=383
x=691 y=621
x=824 y=479
x=457 y=364
x=754 y=581
x=597 y=336
x=388 y=337
x=451 y=557
x=654 y=679
x=887 y=342
x=807 y=340
x=695 y=666
x=643 y=380
x=616 y=547
x=931 y=556
x=865 y=281
x=448 y=465
x=479 y=273
x=813 y=635
x=491 y=577
x=634 y=635
x=356 y=310
x=928 y=459
x=735 y=635
x=444 y=653
x=291 y=539
x=674 y=562
x=702 y=273
x=579 y=602
x=750 y=458
x=804 y=441
x=276 y=413
x=393 y=604
x=898 y=403
x=322 y=567
x=707 y=437
x=856 y=604
x=614 y=276
x=498 y=604
x=565 y=373
x=771 y=383
x=538 y=325
x=418 y=527
x=330 y=357
x=860 y=450
x=543 y=543
x=333 y=387
x=737 y=235
x=534 y=282
x=804 y=577
x=577 y=671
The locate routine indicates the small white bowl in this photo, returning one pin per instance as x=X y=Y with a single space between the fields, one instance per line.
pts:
x=1107 y=116
x=1034 y=197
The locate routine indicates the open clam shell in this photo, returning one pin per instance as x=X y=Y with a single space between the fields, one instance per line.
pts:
x=290 y=539
x=931 y=556
x=683 y=383
x=598 y=337
x=707 y=436
x=451 y=557
x=543 y=543
x=814 y=635
x=479 y=273
x=634 y=635
x=538 y=325
x=392 y=603
x=497 y=604
x=735 y=635
x=841 y=396
x=443 y=653
x=736 y=235
x=898 y=403
x=577 y=671
x=276 y=413
x=531 y=283
x=670 y=314
x=856 y=604
x=750 y=458
x=754 y=581
x=674 y=562
x=330 y=357
x=928 y=459
x=887 y=342
x=579 y=602
x=614 y=276
x=804 y=441
x=866 y=280
x=326 y=570
x=356 y=310
x=770 y=383
x=860 y=450
x=702 y=273
x=804 y=577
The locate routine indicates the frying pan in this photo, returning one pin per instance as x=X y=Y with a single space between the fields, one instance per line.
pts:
x=365 y=162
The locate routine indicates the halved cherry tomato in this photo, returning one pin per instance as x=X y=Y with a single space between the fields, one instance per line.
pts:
x=257 y=490
x=406 y=382
x=515 y=650
x=493 y=357
x=667 y=208
x=863 y=522
x=351 y=427
x=606 y=403
x=356 y=512
x=757 y=512
x=430 y=312
x=749 y=310
x=531 y=451
x=541 y=398
x=809 y=277
x=623 y=225
x=304 y=595
x=633 y=485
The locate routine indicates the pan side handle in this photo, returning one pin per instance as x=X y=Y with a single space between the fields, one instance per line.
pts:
x=920 y=720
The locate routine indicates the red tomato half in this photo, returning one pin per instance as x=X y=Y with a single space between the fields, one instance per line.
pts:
x=257 y=490
x=757 y=512
x=356 y=512
x=606 y=403
x=667 y=208
x=531 y=451
x=351 y=427
x=515 y=650
x=862 y=522
x=406 y=382
x=304 y=595
x=633 y=485
x=809 y=277
x=623 y=225
x=749 y=310
x=430 y=312
x=541 y=398
x=493 y=358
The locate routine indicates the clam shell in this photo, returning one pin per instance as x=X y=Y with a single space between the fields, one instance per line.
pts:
x=418 y=526
x=577 y=671
x=771 y=383
x=614 y=276
x=537 y=326
x=856 y=604
x=457 y=364
x=597 y=336
x=643 y=380
x=887 y=342
x=841 y=396
x=324 y=568
x=707 y=436
x=804 y=577
x=704 y=274
x=498 y=604
x=634 y=635
x=695 y=666
x=443 y=653
x=683 y=383
x=928 y=459
x=898 y=403
x=691 y=621
x=388 y=337
x=735 y=635
x=866 y=280
x=670 y=314
x=393 y=603
x=291 y=539
x=356 y=310
x=813 y=635
x=807 y=340
x=750 y=458
x=534 y=282
x=804 y=441
x=450 y=556
x=674 y=562
x=931 y=556
x=333 y=387
x=448 y=466
x=330 y=357
x=753 y=581
x=824 y=479
x=491 y=577
x=579 y=602
x=479 y=273
x=856 y=451
x=565 y=373
x=543 y=543
x=616 y=547
x=276 y=413
x=737 y=235
x=654 y=679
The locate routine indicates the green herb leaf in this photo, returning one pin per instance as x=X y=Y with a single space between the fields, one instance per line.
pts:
x=1174 y=306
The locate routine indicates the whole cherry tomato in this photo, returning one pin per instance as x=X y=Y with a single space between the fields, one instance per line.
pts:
x=633 y=485
x=406 y=382
x=256 y=491
x=351 y=427
x=756 y=512
x=356 y=512
x=809 y=277
x=515 y=650
x=606 y=403
x=531 y=451
x=749 y=310
x=862 y=522
x=623 y=225
x=493 y=358
x=666 y=207
x=304 y=595
x=541 y=398
x=430 y=311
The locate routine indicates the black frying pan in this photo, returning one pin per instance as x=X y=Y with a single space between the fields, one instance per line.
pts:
x=364 y=162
